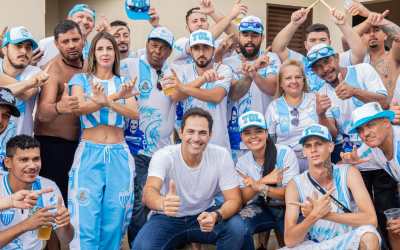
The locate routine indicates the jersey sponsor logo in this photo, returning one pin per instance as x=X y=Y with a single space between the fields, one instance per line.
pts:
x=7 y=216
x=83 y=196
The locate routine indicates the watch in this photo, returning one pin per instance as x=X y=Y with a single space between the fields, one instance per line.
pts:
x=219 y=216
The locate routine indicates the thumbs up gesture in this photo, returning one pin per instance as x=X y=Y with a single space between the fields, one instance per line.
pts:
x=343 y=90
x=395 y=107
x=68 y=104
x=62 y=215
x=352 y=157
x=323 y=103
x=171 y=201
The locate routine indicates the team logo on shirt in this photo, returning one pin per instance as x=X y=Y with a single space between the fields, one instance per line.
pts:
x=144 y=88
x=15 y=245
x=83 y=196
x=6 y=217
x=124 y=198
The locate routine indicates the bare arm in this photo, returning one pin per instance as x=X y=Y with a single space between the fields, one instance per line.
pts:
x=214 y=95
x=282 y=40
x=180 y=95
x=10 y=234
x=232 y=202
x=329 y=123
x=396 y=51
x=267 y=84
x=47 y=99
x=366 y=96
x=129 y=109
x=366 y=213
x=239 y=88
x=65 y=234
x=86 y=106
x=225 y=22
x=151 y=193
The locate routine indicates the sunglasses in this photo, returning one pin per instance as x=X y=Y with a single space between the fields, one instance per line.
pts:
x=253 y=25
x=323 y=52
x=295 y=114
x=160 y=75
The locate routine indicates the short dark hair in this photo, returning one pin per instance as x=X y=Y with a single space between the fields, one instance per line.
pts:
x=317 y=27
x=191 y=11
x=161 y=41
x=197 y=112
x=22 y=142
x=64 y=26
x=120 y=23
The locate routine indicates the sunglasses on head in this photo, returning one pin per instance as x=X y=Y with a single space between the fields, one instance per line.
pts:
x=295 y=120
x=254 y=25
x=325 y=51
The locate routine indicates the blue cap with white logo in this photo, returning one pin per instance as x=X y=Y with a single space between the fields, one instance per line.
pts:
x=82 y=7
x=162 y=33
x=368 y=112
x=18 y=35
x=250 y=119
x=251 y=23
x=318 y=52
x=315 y=130
x=201 y=37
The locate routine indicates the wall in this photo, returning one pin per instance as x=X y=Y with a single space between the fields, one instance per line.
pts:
x=32 y=16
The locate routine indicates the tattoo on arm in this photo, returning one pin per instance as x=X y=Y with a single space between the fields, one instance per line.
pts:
x=240 y=88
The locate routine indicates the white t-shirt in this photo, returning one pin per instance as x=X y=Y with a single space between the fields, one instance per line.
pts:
x=362 y=76
x=285 y=157
x=188 y=73
x=198 y=186
x=13 y=216
x=157 y=111
x=25 y=121
x=377 y=158
x=279 y=117
x=254 y=99
x=345 y=59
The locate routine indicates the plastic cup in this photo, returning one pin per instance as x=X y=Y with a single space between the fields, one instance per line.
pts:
x=392 y=213
x=167 y=89
x=44 y=233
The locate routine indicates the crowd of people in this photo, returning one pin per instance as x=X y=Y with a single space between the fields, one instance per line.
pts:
x=206 y=139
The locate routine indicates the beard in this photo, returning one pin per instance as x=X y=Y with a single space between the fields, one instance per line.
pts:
x=68 y=57
x=123 y=49
x=16 y=65
x=250 y=55
x=204 y=63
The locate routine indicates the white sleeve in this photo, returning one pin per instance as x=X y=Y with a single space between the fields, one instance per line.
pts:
x=180 y=47
x=371 y=79
x=270 y=119
x=159 y=164
x=345 y=58
x=241 y=167
x=128 y=68
x=294 y=55
x=226 y=73
x=293 y=166
x=228 y=177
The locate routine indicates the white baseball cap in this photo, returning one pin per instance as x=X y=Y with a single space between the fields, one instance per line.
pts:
x=162 y=33
x=368 y=112
x=18 y=35
x=201 y=37
x=251 y=118
x=315 y=130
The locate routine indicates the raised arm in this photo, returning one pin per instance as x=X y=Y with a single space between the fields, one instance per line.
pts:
x=282 y=40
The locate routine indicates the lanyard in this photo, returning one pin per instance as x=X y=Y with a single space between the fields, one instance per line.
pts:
x=322 y=191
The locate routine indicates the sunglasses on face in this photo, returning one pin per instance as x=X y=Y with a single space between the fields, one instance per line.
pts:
x=325 y=51
x=295 y=114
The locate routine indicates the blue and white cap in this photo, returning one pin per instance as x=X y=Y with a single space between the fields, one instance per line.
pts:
x=162 y=33
x=82 y=7
x=250 y=119
x=201 y=37
x=251 y=23
x=315 y=130
x=18 y=35
x=318 y=52
x=368 y=112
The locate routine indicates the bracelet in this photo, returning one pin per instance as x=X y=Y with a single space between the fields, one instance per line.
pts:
x=57 y=111
x=264 y=191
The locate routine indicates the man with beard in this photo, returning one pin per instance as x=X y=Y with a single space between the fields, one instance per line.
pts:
x=255 y=76
x=17 y=48
x=374 y=31
x=382 y=148
x=205 y=84
x=316 y=33
x=348 y=88
x=56 y=127
x=157 y=113
x=85 y=17
x=196 y=18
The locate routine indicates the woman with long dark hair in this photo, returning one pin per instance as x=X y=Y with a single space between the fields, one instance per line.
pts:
x=101 y=178
x=265 y=171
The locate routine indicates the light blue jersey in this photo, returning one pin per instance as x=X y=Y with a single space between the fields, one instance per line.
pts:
x=253 y=100
x=156 y=110
x=104 y=116
x=9 y=132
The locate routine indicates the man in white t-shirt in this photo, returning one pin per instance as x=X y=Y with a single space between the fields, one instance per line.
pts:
x=381 y=147
x=182 y=184
x=85 y=17
x=18 y=226
x=17 y=48
x=205 y=84
x=315 y=34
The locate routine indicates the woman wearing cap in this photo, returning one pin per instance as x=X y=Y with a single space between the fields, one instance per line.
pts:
x=265 y=170
x=293 y=110
x=101 y=177
x=338 y=212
